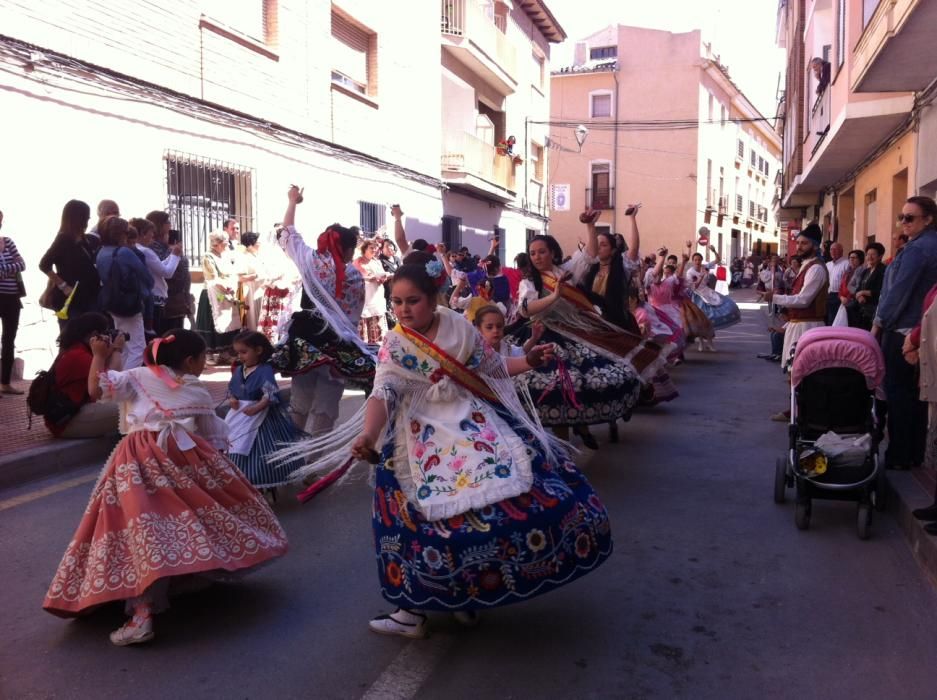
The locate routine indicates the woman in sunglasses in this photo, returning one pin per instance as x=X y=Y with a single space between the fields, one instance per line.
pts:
x=907 y=281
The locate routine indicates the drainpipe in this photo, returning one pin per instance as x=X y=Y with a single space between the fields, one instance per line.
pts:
x=615 y=154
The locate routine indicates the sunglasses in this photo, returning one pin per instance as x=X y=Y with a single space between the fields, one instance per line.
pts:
x=907 y=218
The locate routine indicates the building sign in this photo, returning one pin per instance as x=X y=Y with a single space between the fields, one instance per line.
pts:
x=559 y=197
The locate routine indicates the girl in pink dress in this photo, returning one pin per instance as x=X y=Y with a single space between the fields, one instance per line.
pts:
x=167 y=504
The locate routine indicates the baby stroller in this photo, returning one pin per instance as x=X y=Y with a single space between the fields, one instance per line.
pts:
x=835 y=428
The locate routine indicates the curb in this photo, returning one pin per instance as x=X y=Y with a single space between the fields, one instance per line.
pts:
x=907 y=495
x=49 y=460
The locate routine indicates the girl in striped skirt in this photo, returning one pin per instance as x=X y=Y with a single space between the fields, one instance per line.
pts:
x=258 y=423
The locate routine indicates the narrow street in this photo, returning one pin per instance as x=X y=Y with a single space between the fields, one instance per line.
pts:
x=711 y=592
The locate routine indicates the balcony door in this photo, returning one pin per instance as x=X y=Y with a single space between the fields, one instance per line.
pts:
x=601 y=186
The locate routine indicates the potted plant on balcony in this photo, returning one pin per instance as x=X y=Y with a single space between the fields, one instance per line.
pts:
x=518 y=160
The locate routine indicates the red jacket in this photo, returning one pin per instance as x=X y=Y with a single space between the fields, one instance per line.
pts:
x=71 y=378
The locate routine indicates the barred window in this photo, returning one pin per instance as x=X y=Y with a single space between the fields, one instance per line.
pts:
x=204 y=193
x=739 y=202
x=371 y=217
x=452 y=232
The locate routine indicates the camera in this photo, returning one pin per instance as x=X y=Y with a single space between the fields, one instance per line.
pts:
x=114 y=334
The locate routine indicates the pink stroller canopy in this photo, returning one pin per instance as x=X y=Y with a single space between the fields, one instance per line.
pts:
x=852 y=348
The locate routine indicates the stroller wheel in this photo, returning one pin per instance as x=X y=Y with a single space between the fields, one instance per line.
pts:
x=864 y=521
x=802 y=514
x=780 y=479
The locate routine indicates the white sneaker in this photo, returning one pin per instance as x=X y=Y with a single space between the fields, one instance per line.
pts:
x=468 y=618
x=402 y=623
x=136 y=631
x=699 y=345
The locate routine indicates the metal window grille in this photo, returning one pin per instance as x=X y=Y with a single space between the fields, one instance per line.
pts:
x=202 y=194
x=530 y=233
x=751 y=209
x=739 y=202
x=741 y=149
x=754 y=158
x=371 y=218
x=452 y=232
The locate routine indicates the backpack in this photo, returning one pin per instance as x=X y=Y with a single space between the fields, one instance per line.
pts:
x=45 y=400
x=121 y=294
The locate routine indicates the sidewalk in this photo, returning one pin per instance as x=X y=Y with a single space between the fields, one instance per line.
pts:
x=27 y=454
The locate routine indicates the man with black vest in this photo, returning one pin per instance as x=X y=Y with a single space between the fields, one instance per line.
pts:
x=806 y=304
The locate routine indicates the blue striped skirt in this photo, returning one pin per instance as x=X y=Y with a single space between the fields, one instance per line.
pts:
x=722 y=316
x=276 y=431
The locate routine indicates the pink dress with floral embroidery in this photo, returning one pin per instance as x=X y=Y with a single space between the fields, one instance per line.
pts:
x=167 y=503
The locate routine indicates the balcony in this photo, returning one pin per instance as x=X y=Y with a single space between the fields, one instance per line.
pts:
x=472 y=163
x=819 y=120
x=897 y=51
x=841 y=136
x=600 y=197
x=479 y=42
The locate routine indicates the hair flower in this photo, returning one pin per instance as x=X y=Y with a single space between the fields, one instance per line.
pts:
x=434 y=269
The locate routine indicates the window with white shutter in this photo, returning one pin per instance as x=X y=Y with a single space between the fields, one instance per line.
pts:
x=351 y=46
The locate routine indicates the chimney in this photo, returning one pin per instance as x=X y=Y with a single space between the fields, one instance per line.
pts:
x=580 y=54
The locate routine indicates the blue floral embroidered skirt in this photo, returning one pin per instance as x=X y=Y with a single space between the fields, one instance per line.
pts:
x=722 y=316
x=274 y=433
x=605 y=390
x=504 y=553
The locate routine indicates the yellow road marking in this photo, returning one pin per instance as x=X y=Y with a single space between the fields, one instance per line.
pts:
x=47 y=491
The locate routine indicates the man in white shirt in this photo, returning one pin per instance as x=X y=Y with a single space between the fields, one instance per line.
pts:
x=806 y=304
x=835 y=269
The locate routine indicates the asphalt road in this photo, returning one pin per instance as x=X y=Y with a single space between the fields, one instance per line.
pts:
x=711 y=591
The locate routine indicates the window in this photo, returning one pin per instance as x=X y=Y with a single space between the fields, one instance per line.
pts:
x=452 y=232
x=600 y=104
x=722 y=115
x=761 y=164
x=868 y=9
x=485 y=129
x=536 y=156
x=739 y=203
x=740 y=149
x=871 y=212
x=751 y=208
x=709 y=183
x=540 y=76
x=371 y=217
x=530 y=233
x=252 y=18
x=712 y=104
x=840 y=33
x=354 y=53
x=603 y=52
x=203 y=194
x=754 y=157
x=599 y=196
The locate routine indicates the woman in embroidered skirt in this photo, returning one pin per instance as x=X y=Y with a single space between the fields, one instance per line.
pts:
x=474 y=505
x=721 y=310
x=665 y=295
x=600 y=368
x=167 y=504
x=218 y=318
x=373 y=323
x=257 y=421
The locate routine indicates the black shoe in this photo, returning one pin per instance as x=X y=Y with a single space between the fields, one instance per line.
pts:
x=931 y=528
x=764 y=356
x=588 y=439
x=613 y=435
x=929 y=513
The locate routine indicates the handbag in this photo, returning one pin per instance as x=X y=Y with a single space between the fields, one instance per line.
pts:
x=20 y=285
x=47 y=298
x=842 y=317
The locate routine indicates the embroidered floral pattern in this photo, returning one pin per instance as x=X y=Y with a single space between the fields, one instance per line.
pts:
x=154 y=514
x=508 y=551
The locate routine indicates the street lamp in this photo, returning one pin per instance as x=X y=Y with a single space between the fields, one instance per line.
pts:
x=581 y=133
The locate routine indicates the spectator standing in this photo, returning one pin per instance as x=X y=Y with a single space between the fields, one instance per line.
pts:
x=160 y=270
x=868 y=288
x=106 y=208
x=219 y=310
x=373 y=324
x=920 y=348
x=11 y=290
x=69 y=261
x=126 y=281
x=180 y=305
x=836 y=268
x=907 y=281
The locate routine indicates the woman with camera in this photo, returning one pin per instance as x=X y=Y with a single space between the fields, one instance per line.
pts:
x=70 y=411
